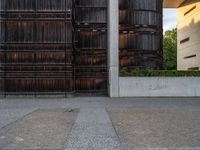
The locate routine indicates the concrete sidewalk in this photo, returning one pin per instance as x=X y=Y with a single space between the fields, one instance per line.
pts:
x=41 y=129
x=94 y=130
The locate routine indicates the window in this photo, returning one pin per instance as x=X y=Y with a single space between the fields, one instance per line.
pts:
x=184 y=40
x=187 y=12
x=191 y=56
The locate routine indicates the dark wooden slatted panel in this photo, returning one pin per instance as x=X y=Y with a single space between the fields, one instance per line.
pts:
x=36 y=47
x=91 y=46
x=140 y=34
x=28 y=5
x=94 y=40
x=96 y=3
x=94 y=15
x=153 y=5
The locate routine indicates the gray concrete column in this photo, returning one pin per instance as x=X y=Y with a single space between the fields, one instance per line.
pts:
x=113 y=48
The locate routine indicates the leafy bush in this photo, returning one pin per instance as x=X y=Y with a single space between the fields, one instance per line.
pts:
x=159 y=73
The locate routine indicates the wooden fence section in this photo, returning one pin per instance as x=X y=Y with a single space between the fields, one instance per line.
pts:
x=36 y=47
x=140 y=34
x=91 y=46
x=53 y=47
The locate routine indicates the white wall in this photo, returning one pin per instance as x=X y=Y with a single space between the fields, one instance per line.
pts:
x=159 y=86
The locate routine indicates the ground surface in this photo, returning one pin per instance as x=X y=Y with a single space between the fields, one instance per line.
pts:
x=157 y=127
x=41 y=129
x=101 y=124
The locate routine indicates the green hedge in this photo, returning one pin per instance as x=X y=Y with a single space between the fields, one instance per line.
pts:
x=159 y=73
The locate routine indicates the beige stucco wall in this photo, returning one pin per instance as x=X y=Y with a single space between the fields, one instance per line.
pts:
x=188 y=26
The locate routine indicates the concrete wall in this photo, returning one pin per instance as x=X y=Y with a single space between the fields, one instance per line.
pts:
x=188 y=26
x=159 y=86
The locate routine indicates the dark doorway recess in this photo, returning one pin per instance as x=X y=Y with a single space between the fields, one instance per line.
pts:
x=47 y=48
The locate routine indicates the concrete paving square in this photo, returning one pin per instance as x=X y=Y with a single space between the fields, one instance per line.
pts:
x=41 y=129
x=162 y=129
x=8 y=115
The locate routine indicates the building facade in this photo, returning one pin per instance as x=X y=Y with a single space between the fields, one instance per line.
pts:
x=53 y=47
x=64 y=47
x=188 y=27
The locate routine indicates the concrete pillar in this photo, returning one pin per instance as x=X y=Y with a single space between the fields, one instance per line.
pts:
x=113 y=48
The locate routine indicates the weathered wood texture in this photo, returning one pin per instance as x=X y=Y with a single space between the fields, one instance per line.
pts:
x=91 y=46
x=36 y=47
x=40 y=53
x=140 y=34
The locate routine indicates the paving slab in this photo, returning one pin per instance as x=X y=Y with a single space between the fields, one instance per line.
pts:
x=42 y=129
x=10 y=115
x=158 y=128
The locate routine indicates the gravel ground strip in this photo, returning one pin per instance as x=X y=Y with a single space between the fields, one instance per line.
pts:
x=93 y=131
